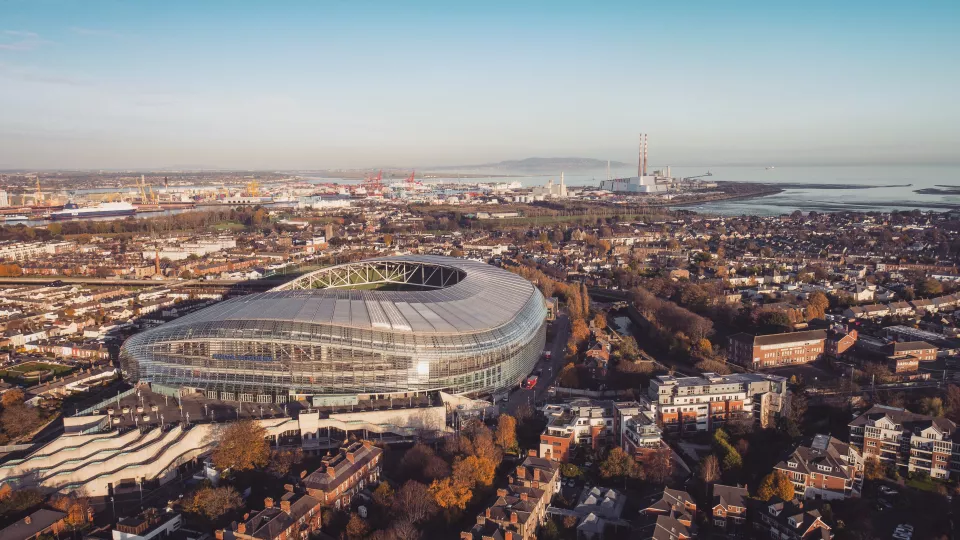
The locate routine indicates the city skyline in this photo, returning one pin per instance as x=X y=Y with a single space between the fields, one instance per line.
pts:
x=302 y=86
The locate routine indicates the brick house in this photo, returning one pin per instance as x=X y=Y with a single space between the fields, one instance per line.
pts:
x=795 y=520
x=775 y=350
x=825 y=469
x=729 y=508
x=671 y=515
x=839 y=341
x=520 y=508
x=40 y=523
x=296 y=519
x=342 y=475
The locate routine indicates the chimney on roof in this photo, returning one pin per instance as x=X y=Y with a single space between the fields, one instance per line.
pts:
x=523 y=496
x=481 y=519
x=487 y=512
x=513 y=517
x=268 y=502
x=218 y=534
x=288 y=487
x=285 y=506
x=521 y=471
x=532 y=453
x=501 y=492
x=508 y=535
x=27 y=520
x=351 y=457
x=331 y=471
x=242 y=528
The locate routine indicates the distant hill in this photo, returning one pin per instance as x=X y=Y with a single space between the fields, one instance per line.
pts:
x=540 y=165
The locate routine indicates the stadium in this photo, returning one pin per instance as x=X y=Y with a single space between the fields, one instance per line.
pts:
x=375 y=327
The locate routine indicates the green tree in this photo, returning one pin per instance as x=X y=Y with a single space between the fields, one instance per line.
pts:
x=619 y=464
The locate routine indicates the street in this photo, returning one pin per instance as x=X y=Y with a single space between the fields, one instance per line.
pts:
x=548 y=368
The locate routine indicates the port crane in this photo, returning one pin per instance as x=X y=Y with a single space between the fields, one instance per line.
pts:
x=374 y=184
x=38 y=197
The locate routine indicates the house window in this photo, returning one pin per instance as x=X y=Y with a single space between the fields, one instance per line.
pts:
x=720 y=522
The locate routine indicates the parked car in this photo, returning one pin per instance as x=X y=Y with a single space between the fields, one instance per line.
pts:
x=888 y=490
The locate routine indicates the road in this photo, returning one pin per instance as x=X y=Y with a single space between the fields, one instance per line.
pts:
x=548 y=368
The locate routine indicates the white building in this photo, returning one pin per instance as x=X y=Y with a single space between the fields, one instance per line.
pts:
x=317 y=202
x=4 y=199
x=636 y=184
x=691 y=404
x=147 y=526
x=551 y=190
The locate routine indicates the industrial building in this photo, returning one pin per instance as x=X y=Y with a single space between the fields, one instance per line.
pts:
x=378 y=327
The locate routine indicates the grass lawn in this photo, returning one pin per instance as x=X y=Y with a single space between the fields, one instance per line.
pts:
x=924 y=484
x=18 y=371
x=229 y=226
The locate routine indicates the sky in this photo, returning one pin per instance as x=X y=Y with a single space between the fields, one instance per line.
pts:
x=346 y=84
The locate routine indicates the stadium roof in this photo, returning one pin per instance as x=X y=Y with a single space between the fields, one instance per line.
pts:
x=485 y=297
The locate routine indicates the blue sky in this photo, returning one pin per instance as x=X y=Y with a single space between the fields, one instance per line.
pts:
x=112 y=84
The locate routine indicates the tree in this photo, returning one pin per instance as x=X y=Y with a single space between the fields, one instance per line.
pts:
x=281 y=461
x=657 y=465
x=569 y=377
x=384 y=495
x=12 y=397
x=579 y=330
x=952 y=404
x=600 y=320
x=932 y=406
x=414 y=501
x=629 y=350
x=507 y=432
x=709 y=469
x=422 y=463
x=872 y=469
x=929 y=287
x=450 y=494
x=619 y=464
x=357 y=528
x=19 y=420
x=214 y=502
x=78 y=509
x=776 y=484
x=817 y=305
x=242 y=447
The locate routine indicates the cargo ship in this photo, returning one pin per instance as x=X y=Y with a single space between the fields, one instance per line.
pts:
x=110 y=209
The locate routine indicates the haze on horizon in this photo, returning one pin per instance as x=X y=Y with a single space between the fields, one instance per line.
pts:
x=307 y=85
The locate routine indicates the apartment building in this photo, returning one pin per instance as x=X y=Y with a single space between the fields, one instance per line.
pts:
x=729 y=510
x=826 y=469
x=924 y=351
x=691 y=404
x=911 y=441
x=776 y=350
x=20 y=251
x=342 y=475
x=580 y=422
x=638 y=429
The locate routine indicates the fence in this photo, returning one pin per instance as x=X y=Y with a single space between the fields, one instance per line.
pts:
x=106 y=402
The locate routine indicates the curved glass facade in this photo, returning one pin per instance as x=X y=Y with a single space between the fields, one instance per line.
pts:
x=481 y=335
